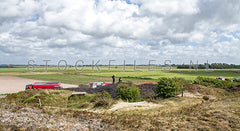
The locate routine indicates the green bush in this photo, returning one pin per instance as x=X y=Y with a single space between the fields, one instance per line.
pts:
x=122 y=91
x=169 y=87
x=126 y=93
x=206 y=81
x=224 y=84
x=214 y=82
x=105 y=94
x=133 y=94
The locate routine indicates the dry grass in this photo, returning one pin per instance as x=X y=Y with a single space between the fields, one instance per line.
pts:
x=212 y=115
x=179 y=113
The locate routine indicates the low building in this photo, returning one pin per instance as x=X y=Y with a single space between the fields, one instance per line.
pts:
x=5 y=66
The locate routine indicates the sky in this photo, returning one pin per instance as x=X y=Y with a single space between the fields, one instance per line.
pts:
x=141 y=30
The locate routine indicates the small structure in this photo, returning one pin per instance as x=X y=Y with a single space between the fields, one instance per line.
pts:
x=5 y=66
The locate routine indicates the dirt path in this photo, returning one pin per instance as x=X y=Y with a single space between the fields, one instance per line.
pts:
x=11 y=84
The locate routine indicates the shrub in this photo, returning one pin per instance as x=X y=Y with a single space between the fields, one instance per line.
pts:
x=224 y=84
x=168 y=87
x=105 y=94
x=101 y=95
x=104 y=102
x=126 y=93
x=133 y=94
x=180 y=83
x=214 y=82
x=82 y=101
x=122 y=91
x=206 y=81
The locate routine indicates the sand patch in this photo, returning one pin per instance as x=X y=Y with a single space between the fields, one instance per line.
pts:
x=12 y=84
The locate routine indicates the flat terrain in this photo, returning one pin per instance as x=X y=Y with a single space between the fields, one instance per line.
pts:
x=12 y=84
x=70 y=76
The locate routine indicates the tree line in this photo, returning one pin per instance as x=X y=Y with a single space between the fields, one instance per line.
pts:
x=211 y=66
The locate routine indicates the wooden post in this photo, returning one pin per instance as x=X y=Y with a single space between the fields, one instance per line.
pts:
x=40 y=102
x=182 y=91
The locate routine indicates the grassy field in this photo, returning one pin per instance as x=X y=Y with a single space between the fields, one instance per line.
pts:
x=70 y=76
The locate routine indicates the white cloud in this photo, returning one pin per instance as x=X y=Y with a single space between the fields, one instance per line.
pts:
x=146 y=29
x=163 y=7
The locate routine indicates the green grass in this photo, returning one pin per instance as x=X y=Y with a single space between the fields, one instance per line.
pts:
x=70 y=76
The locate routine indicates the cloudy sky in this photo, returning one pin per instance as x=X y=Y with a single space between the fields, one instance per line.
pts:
x=141 y=30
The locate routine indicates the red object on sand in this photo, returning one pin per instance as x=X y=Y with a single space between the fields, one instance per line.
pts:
x=43 y=85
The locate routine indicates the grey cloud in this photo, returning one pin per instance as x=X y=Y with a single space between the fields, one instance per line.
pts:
x=6 y=49
x=224 y=11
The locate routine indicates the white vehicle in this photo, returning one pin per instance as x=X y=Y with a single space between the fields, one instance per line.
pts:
x=95 y=84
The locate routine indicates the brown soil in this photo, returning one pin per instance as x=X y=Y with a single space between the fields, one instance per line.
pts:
x=141 y=83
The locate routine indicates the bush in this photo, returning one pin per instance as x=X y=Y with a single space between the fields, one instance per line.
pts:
x=214 y=82
x=126 y=93
x=168 y=87
x=133 y=94
x=122 y=91
x=104 y=102
x=105 y=94
x=206 y=81
x=83 y=101
x=224 y=84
